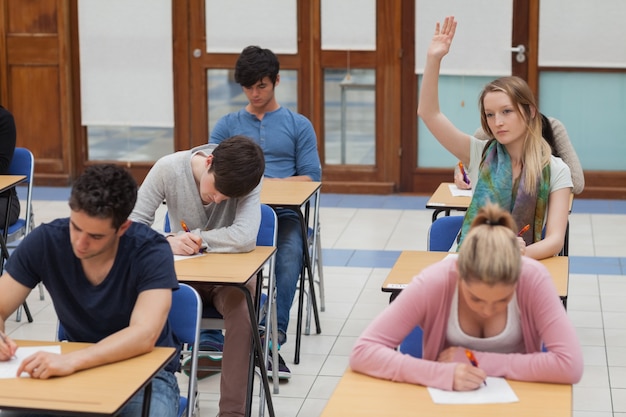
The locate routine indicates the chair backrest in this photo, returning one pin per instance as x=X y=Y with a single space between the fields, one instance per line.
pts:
x=23 y=163
x=412 y=344
x=268 y=230
x=184 y=318
x=442 y=233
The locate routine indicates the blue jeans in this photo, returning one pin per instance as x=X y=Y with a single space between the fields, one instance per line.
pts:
x=289 y=260
x=210 y=337
x=164 y=401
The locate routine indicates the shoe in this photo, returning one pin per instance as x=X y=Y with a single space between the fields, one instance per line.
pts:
x=206 y=360
x=283 y=371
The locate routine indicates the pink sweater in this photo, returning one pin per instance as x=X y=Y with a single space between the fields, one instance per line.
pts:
x=426 y=303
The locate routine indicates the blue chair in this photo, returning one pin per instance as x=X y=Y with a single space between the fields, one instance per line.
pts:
x=23 y=163
x=441 y=236
x=184 y=317
x=442 y=233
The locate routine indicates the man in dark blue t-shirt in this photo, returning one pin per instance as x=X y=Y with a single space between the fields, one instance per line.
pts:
x=110 y=281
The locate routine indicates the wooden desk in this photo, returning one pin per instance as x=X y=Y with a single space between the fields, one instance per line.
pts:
x=103 y=390
x=235 y=269
x=411 y=263
x=359 y=395
x=442 y=200
x=294 y=195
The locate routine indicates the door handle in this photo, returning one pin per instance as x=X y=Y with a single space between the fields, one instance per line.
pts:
x=521 y=53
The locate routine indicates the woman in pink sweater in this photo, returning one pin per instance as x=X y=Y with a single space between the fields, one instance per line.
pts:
x=491 y=300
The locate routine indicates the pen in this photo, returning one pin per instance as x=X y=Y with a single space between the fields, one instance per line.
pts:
x=465 y=177
x=523 y=230
x=186 y=229
x=472 y=359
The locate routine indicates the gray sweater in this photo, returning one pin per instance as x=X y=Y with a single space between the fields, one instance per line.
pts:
x=565 y=150
x=230 y=226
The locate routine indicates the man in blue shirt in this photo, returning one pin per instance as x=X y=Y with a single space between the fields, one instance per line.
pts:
x=290 y=148
x=110 y=281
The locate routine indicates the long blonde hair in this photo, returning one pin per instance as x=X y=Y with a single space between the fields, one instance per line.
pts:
x=490 y=252
x=536 y=150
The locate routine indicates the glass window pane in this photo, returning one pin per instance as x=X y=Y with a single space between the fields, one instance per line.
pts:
x=129 y=143
x=226 y=96
x=350 y=116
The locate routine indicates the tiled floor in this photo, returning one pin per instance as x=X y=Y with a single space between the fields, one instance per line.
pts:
x=362 y=236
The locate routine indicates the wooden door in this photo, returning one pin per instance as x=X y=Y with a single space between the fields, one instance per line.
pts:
x=524 y=32
x=35 y=82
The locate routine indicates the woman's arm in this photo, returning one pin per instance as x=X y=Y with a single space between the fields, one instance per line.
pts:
x=566 y=151
x=375 y=352
x=556 y=225
x=428 y=110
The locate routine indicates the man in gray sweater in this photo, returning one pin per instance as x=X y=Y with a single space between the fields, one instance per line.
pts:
x=213 y=191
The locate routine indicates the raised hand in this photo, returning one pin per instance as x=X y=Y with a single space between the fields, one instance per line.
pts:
x=440 y=45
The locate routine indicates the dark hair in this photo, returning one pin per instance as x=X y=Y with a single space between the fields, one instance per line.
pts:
x=105 y=191
x=548 y=134
x=254 y=64
x=238 y=165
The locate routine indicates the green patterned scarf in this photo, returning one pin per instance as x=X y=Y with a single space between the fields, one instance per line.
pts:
x=495 y=184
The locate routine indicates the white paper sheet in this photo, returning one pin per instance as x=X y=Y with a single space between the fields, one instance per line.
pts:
x=457 y=192
x=183 y=257
x=497 y=390
x=8 y=369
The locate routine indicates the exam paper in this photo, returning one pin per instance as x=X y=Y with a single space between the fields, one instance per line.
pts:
x=457 y=192
x=8 y=369
x=183 y=257
x=497 y=390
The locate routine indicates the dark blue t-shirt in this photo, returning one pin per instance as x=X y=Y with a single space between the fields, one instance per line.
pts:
x=90 y=312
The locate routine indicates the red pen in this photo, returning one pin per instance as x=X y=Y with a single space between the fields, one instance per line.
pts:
x=465 y=177
x=472 y=359
x=523 y=230
x=186 y=229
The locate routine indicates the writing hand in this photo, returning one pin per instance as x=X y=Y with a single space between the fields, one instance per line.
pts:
x=444 y=33
x=7 y=347
x=522 y=245
x=467 y=377
x=460 y=183
x=185 y=244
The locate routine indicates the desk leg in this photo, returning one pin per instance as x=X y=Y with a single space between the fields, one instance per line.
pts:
x=258 y=353
x=3 y=241
x=305 y=270
x=147 y=396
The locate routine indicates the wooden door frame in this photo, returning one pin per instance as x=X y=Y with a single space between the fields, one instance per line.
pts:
x=387 y=60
